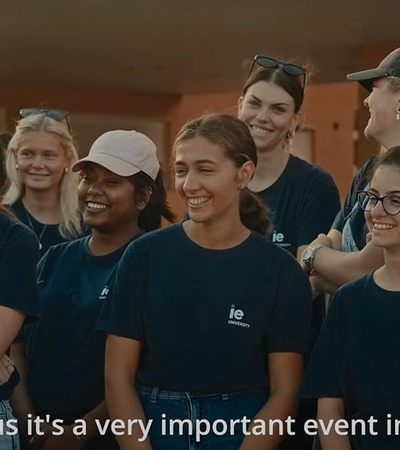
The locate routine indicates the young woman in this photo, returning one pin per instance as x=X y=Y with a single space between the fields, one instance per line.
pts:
x=343 y=255
x=19 y=254
x=121 y=195
x=302 y=197
x=207 y=319
x=41 y=191
x=355 y=365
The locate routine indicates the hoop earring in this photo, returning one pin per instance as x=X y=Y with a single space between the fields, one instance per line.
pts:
x=290 y=134
x=398 y=113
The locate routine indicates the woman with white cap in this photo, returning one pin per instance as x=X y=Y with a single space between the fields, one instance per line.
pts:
x=344 y=255
x=121 y=195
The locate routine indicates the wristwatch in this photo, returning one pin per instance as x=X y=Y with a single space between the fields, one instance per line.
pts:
x=308 y=257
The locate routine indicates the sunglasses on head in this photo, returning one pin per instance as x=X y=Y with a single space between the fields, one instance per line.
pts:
x=271 y=63
x=55 y=114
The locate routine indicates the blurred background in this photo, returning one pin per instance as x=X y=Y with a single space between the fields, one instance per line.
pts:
x=151 y=65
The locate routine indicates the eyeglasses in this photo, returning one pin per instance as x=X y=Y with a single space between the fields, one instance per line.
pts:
x=56 y=114
x=271 y=63
x=390 y=203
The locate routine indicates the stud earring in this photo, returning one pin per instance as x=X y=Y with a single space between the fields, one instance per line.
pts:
x=398 y=113
x=16 y=166
x=66 y=169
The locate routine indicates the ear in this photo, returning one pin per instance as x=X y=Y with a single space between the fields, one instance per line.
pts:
x=246 y=173
x=144 y=198
x=240 y=103
x=294 y=125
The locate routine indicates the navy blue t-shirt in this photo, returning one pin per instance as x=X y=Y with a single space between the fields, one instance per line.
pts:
x=357 y=358
x=19 y=253
x=49 y=234
x=303 y=203
x=350 y=220
x=207 y=319
x=64 y=351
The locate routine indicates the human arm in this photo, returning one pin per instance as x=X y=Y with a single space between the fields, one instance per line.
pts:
x=285 y=372
x=122 y=359
x=328 y=409
x=68 y=440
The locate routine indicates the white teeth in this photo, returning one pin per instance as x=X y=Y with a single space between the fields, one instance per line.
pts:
x=98 y=206
x=382 y=226
x=259 y=131
x=198 y=200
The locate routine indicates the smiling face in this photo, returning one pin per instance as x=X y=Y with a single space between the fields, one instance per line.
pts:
x=207 y=181
x=385 y=228
x=269 y=112
x=41 y=160
x=106 y=200
x=382 y=103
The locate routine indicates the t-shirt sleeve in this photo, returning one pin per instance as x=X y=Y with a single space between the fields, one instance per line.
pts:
x=320 y=379
x=290 y=325
x=319 y=208
x=121 y=313
x=18 y=261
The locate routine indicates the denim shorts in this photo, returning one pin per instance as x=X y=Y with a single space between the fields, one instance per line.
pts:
x=189 y=421
x=8 y=440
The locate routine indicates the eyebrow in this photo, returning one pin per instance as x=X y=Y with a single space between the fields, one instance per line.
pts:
x=273 y=104
x=390 y=192
x=198 y=161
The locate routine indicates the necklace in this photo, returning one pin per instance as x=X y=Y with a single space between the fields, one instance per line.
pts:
x=186 y=227
x=39 y=237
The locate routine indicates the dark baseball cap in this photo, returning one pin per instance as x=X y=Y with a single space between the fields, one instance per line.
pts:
x=388 y=67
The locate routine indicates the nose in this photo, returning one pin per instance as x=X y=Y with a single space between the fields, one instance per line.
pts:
x=94 y=189
x=366 y=102
x=378 y=209
x=262 y=115
x=38 y=161
x=191 y=182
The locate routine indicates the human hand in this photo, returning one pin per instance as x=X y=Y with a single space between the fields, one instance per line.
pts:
x=67 y=441
x=6 y=369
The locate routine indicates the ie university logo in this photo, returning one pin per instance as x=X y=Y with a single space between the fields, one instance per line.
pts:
x=235 y=317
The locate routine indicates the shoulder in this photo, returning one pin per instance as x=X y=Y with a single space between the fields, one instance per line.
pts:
x=16 y=232
x=352 y=295
x=311 y=172
x=164 y=238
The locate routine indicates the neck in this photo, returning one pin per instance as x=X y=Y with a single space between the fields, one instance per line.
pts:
x=392 y=140
x=388 y=276
x=270 y=166
x=104 y=242
x=217 y=236
x=42 y=205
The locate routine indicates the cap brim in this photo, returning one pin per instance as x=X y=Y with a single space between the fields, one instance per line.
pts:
x=109 y=162
x=366 y=77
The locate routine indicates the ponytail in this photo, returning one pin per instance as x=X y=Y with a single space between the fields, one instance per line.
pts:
x=254 y=214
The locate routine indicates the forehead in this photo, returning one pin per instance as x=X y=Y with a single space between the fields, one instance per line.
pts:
x=197 y=150
x=270 y=92
x=386 y=179
x=40 y=140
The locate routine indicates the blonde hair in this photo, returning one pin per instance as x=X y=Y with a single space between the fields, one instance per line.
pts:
x=70 y=218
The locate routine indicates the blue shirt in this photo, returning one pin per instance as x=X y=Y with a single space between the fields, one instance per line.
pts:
x=19 y=253
x=303 y=202
x=207 y=319
x=64 y=351
x=357 y=358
